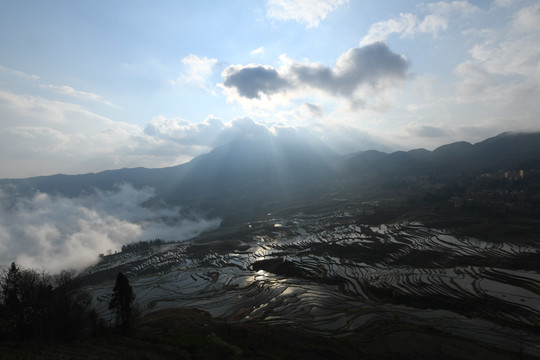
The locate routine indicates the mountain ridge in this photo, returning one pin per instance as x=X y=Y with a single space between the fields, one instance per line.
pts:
x=245 y=174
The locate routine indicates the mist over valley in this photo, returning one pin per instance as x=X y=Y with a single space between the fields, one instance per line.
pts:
x=273 y=179
x=285 y=232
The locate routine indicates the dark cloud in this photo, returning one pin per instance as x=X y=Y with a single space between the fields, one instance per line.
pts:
x=372 y=65
x=313 y=75
x=254 y=80
x=369 y=64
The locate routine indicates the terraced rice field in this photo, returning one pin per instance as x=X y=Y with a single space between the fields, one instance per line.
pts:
x=332 y=275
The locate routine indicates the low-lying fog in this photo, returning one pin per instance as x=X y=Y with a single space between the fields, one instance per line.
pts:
x=56 y=232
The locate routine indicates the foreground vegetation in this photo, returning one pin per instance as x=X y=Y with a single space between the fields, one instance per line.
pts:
x=49 y=317
x=39 y=306
x=193 y=334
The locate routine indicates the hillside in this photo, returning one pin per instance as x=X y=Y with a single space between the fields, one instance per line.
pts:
x=257 y=176
x=412 y=254
x=192 y=334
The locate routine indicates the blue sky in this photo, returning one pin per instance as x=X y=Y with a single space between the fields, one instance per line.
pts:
x=91 y=85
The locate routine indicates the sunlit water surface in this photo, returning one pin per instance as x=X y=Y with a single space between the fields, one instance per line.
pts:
x=342 y=275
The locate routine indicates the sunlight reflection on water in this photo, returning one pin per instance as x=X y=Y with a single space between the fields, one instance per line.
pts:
x=347 y=275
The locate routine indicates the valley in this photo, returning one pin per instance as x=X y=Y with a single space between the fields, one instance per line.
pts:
x=402 y=255
x=331 y=274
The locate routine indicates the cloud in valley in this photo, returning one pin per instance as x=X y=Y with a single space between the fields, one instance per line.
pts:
x=56 y=232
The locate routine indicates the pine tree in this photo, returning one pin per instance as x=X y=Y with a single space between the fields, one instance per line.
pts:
x=11 y=291
x=122 y=301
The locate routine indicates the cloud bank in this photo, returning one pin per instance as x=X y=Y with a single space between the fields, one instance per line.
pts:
x=39 y=136
x=56 y=232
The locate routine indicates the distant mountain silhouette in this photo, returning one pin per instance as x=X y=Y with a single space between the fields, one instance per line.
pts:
x=254 y=165
x=244 y=174
x=507 y=151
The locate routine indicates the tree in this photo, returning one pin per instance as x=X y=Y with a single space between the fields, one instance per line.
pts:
x=71 y=304
x=122 y=301
x=11 y=290
x=12 y=309
x=36 y=305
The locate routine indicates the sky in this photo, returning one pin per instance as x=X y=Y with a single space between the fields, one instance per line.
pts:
x=92 y=85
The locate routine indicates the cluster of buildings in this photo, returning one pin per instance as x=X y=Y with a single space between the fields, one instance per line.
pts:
x=505 y=192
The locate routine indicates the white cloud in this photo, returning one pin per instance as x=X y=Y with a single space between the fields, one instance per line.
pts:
x=258 y=51
x=462 y=8
x=433 y=24
x=407 y=24
x=528 y=19
x=515 y=56
x=497 y=4
x=18 y=73
x=184 y=131
x=197 y=71
x=309 y=12
x=213 y=132
x=506 y=65
x=209 y=133
x=477 y=83
x=69 y=91
x=56 y=233
x=43 y=137
x=496 y=87
x=34 y=110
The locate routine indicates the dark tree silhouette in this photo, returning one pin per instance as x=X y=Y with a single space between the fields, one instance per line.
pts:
x=71 y=302
x=36 y=305
x=12 y=306
x=11 y=289
x=122 y=301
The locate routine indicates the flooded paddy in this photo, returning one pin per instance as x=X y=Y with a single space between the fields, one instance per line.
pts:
x=333 y=275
